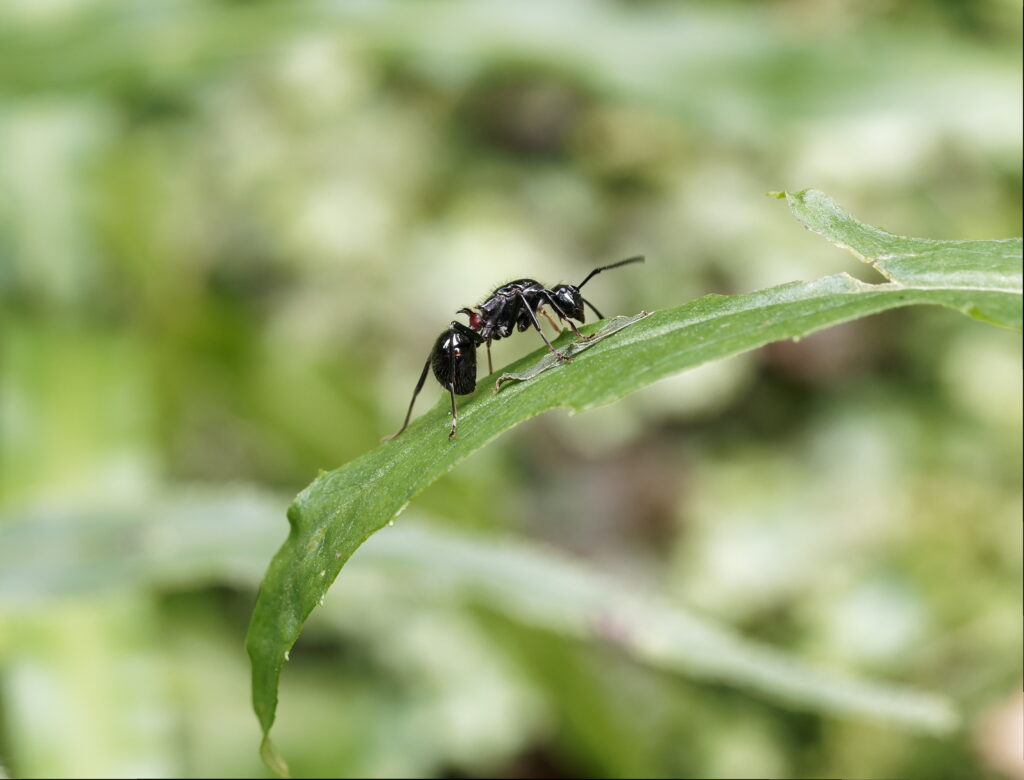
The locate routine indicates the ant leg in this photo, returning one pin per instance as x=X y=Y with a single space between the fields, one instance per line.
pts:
x=551 y=319
x=593 y=309
x=533 y=318
x=490 y=366
x=416 y=392
x=576 y=331
x=565 y=317
x=455 y=413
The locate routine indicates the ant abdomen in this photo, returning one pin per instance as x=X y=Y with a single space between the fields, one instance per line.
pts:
x=453 y=359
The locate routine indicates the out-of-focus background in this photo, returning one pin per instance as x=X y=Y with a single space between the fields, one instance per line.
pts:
x=229 y=233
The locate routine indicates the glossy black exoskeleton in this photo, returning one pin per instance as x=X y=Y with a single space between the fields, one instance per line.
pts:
x=453 y=361
x=516 y=305
x=512 y=306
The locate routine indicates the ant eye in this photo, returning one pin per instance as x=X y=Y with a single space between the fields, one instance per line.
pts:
x=475 y=321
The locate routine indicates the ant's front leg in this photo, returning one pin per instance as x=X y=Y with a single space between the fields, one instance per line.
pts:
x=568 y=321
x=576 y=331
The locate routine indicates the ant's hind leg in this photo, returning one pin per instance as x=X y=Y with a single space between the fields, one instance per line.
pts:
x=416 y=392
x=455 y=414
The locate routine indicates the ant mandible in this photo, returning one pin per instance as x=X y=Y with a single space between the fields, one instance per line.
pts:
x=513 y=305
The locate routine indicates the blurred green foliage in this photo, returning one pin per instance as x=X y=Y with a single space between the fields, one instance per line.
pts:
x=228 y=235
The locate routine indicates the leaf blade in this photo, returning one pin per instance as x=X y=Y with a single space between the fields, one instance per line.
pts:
x=334 y=515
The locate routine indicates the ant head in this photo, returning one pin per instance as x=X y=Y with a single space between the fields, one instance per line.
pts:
x=569 y=300
x=475 y=320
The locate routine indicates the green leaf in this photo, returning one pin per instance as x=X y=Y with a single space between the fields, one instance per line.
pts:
x=987 y=272
x=342 y=508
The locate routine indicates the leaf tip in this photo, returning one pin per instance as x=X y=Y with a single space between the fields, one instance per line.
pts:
x=272 y=758
x=799 y=196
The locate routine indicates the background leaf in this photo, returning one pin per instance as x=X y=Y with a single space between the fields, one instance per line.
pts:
x=198 y=534
x=341 y=509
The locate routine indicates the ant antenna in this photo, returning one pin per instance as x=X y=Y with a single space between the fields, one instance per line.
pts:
x=596 y=271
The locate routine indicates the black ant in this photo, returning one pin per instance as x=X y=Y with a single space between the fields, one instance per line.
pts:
x=517 y=303
x=513 y=305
